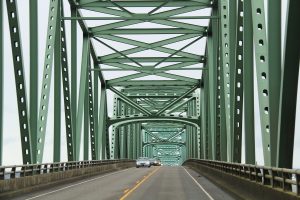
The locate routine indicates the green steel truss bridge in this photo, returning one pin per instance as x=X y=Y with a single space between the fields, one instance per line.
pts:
x=178 y=80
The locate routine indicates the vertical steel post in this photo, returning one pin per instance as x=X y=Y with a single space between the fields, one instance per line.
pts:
x=1 y=81
x=289 y=87
x=74 y=75
x=18 y=65
x=114 y=151
x=248 y=85
x=91 y=115
x=274 y=48
x=82 y=92
x=34 y=57
x=139 y=141
x=54 y=13
x=86 y=123
x=220 y=122
x=69 y=120
x=96 y=107
x=237 y=103
x=224 y=13
x=232 y=8
x=212 y=79
x=57 y=91
x=122 y=131
x=198 y=130
x=102 y=122
x=208 y=140
x=262 y=74
x=221 y=97
x=134 y=141
x=203 y=122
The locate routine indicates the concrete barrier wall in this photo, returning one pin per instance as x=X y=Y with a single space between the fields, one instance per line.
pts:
x=16 y=186
x=240 y=187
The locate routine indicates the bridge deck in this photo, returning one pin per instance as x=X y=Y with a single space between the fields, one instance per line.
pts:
x=136 y=184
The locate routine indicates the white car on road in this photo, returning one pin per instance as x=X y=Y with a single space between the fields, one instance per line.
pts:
x=143 y=162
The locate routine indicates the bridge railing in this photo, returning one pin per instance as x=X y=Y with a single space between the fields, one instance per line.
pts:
x=287 y=180
x=17 y=171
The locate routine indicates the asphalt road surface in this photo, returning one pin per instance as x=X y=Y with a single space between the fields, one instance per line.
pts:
x=155 y=183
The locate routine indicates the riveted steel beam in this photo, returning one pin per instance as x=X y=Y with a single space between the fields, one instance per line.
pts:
x=82 y=90
x=223 y=7
x=16 y=46
x=288 y=94
x=69 y=118
x=73 y=69
x=248 y=84
x=262 y=73
x=177 y=100
x=238 y=86
x=129 y=101
x=1 y=81
x=274 y=56
x=105 y=4
x=179 y=105
x=47 y=73
x=57 y=93
x=34 y=57
x=139 y=17
x=91 y=118
x=102 y=124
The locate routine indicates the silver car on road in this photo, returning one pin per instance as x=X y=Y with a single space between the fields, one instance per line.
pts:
x=143 y=162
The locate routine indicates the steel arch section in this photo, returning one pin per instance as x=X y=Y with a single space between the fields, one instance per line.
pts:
x=164 y=143
x=122 y=120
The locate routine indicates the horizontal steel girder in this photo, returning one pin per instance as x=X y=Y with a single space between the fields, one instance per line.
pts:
x=145 y=3
x=194 y=121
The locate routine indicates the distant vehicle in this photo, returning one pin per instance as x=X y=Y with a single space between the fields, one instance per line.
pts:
x=155 y=162
x=143 y=162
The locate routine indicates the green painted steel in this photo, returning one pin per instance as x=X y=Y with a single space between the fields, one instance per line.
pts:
x=82 y=90
x=226 y=72
x=172 y=100
x=57 y=95
x=238 y=86
x=73 y=74
x=69 y=118
x=262 y=71
x=102 y=122
x=232 y=30
x=288 y=92
x=34 y=58
x=274 y=53
x=96 y=107
x=18 y=65
x=1 y=81
x=47 y=74
x=248 y=84
x=86 y=123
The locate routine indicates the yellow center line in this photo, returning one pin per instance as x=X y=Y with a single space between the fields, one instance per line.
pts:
x=139 y=184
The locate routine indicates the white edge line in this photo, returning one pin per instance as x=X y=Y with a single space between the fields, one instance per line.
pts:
x=210 y=197
x=47 y=193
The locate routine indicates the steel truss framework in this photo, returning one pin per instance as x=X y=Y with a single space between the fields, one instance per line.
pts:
x=176 y=116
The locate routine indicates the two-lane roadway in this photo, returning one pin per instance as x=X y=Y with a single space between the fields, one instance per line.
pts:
x=155 y=183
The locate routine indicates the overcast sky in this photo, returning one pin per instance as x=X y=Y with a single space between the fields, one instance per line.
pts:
x=12 y=144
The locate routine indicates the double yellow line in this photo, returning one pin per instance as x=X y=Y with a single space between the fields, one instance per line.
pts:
x=139 y=184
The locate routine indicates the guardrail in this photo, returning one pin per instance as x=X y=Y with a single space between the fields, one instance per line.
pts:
x=17 y=171
x=287 y=180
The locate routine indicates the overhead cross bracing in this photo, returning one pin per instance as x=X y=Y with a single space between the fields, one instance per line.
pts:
x=150 y=55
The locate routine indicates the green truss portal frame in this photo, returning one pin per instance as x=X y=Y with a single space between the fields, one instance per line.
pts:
x=172 y=99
